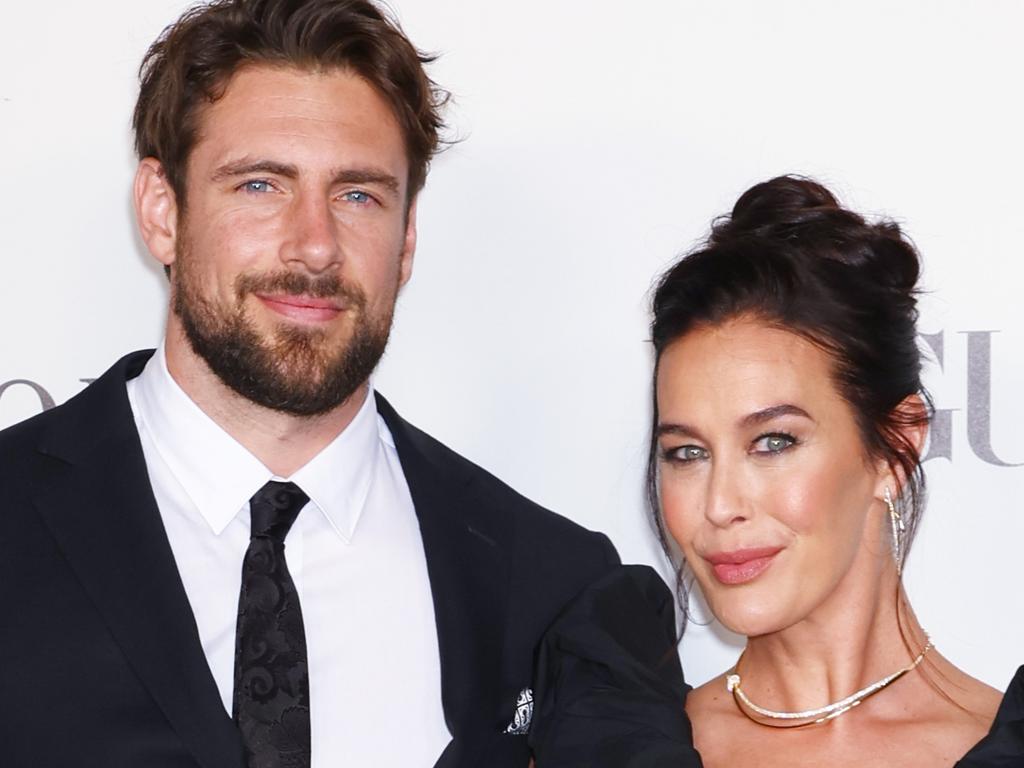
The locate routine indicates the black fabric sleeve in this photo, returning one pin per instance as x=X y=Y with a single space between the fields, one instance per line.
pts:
x=610 y=691
x=1004 y=745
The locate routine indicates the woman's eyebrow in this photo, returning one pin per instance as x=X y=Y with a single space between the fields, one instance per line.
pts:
x=677 y=430
x=772 y=412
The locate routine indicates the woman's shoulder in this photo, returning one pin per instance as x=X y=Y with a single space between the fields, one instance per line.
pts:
x=1011 y=708
x=1004 y=745
x=711 y=701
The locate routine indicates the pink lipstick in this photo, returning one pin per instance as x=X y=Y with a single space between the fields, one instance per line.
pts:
x=741 y=565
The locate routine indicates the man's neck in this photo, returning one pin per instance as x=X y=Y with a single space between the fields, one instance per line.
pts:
x=283 y=442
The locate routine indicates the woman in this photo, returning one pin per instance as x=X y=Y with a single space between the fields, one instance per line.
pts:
x=789 y=419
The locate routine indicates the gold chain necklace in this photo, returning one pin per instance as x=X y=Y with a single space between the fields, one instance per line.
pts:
x=821 y=714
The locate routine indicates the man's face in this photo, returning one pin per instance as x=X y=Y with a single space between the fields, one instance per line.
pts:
x=296 y=238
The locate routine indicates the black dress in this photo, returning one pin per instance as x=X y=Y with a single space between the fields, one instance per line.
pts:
x=610 y=692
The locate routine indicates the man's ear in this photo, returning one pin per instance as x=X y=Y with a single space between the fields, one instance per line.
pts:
x=156 y=210
x=908 y=434
x=409 y=244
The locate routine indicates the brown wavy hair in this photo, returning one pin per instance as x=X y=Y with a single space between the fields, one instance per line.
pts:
x=191 y=62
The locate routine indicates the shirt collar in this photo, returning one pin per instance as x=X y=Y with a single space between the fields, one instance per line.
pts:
x=220 y=475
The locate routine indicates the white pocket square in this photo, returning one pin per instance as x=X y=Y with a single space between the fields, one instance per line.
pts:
x=520 y=724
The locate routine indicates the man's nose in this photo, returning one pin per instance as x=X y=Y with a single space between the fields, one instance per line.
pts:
x=312 y=238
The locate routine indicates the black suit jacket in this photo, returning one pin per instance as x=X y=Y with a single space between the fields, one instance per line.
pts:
x=100 y=659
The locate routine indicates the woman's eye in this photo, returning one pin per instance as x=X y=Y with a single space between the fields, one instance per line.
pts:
x=773 y=443
x=688 y=453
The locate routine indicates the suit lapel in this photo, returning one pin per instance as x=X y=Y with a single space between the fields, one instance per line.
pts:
x=466 y=561
x=99 y=506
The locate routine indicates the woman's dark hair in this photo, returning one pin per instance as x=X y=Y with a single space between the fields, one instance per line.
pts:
x=791 y=256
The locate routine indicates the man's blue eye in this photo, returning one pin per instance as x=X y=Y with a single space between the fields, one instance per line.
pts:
x=256 y=186
x=356 y=196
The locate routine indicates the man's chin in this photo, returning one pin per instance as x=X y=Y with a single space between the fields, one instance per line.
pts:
x=304 y=391
x=321 y=337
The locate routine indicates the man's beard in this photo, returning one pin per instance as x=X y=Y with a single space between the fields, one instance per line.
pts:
x=292 y=369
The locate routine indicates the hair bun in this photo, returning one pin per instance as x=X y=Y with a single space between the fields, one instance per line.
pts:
x=781 y=202
x=801 y=211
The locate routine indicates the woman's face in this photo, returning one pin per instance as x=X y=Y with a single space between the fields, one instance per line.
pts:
x=765 y=483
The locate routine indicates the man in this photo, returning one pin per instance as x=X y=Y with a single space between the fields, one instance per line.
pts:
x=153 y=616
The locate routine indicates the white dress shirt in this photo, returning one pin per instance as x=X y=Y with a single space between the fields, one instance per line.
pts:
x=355 y=554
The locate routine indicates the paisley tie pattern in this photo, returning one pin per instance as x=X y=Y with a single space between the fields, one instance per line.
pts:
x=271 y=692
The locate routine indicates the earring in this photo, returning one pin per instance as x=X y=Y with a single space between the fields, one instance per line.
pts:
x=898 y=529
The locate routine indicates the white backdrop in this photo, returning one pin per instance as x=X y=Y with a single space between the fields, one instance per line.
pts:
x=600 y=139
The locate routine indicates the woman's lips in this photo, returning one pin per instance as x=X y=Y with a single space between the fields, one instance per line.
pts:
x=302 y=308
x=741 y=565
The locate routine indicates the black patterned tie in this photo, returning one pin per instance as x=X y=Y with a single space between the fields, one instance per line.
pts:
x=271 y=696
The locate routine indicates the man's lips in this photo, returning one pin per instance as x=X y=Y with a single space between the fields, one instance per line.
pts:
x=741 y=565
x=303 y=308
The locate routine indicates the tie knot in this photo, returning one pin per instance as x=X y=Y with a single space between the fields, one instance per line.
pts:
x=274 y=508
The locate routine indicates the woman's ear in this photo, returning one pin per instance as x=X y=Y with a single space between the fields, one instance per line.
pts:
x=906 y=431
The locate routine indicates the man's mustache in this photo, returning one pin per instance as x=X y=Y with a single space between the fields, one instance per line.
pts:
x=299 y=284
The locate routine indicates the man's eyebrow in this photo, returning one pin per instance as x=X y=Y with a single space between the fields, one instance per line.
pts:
x=772 y=412
x=246 y=166
x=368 y=176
